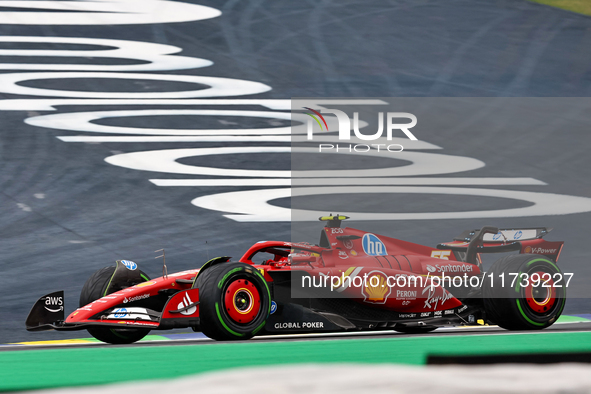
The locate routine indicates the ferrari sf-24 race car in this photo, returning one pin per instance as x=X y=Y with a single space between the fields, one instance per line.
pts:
x=351 y=281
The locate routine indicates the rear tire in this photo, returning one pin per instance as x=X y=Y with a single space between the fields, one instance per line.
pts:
x=95 y=288
x=234 y=301
x=523 y=306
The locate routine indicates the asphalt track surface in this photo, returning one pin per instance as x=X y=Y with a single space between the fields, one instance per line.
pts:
x=66 y=213
x=443 y=332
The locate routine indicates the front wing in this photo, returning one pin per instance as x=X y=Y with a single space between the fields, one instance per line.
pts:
x=181 y=311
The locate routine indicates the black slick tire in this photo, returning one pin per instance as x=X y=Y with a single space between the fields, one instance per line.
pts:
x=234 y=301
x=95 y=288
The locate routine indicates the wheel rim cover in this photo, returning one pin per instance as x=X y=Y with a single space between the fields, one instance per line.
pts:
x=242 y=301
x=541 y=299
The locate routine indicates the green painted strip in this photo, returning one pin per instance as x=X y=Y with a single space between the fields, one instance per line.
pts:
x=571 y=319
x=149 y=338
x=89 y=366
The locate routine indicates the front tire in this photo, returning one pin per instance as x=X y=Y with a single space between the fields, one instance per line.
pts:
x=518 y=304
x=234 y=301
x=97 y=287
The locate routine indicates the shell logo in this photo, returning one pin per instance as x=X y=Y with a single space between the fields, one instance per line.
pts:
x=376 y=290
x=527 y=249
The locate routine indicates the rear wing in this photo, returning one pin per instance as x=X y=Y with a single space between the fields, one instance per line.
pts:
x=506 y=235
x=494 y=240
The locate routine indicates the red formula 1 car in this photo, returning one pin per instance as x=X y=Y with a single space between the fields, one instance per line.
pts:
x=351 y=281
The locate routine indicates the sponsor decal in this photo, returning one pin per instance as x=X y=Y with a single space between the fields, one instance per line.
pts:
x=505 y=235
x=373 y=246
x=471 y=319
x=406 y=294
x=120 y=313
x=129 y=313
x=433 y=299
x=185 y=303
x=273 y=307
x=462 y=309
x=348 y=244
x=293 y=325
x=136 y=298
x=150 y=283
x=343 y=255
x=137 y=323
x=425 y=314
x=451 y=268
x=376 y=289
x=437 y=314
x=441 y=254
x=407 y=315
x=449 y=312
x=130 y=265
x=54 y=304
x=353 y=253
x=529 y=249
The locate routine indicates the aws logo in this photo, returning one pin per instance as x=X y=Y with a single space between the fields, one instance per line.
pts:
x=54 y=304
x=373 y=246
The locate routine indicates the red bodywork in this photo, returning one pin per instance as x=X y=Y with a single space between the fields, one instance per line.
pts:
x=344 y=252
